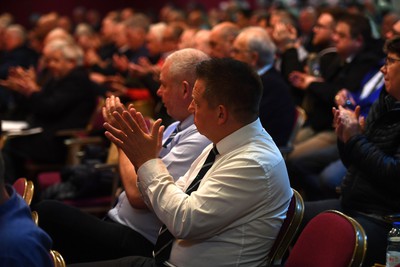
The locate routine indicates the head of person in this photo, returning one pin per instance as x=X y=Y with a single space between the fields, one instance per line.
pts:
x=352 y=34
x=221 y=39
x=177 y=78
x=254 y=47
x=391 y=68
x=387 y=23
x=14 y=37
x=187 y=38
x=280 y=16
x=307 y=19
x=107 y=27
x=58 y=33
x=154 y=38
x=172 y=36
x=201 y=41
x=137 y=27
x=325 y=27
x=226 y=97
x=394 y=30
x=62 y=57
x=120 y=37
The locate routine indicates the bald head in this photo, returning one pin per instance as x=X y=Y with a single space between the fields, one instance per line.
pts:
x=254 y=47
x=221 y=39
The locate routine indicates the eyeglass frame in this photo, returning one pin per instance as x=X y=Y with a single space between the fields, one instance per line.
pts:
x=390 y=61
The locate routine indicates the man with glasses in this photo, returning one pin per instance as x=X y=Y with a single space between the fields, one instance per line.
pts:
x=277 y=111
x=352 y=37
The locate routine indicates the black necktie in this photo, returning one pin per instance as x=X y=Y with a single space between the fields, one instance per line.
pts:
x=170 y=137
x=163 y=246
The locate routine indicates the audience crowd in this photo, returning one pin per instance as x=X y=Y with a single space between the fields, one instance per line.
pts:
x=339 y=63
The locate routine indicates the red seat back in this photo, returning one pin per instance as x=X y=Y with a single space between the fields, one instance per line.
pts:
x=331 y=239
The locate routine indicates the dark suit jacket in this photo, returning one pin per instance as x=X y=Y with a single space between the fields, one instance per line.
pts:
x=277 y=109
x=66 y=103
x=320 y=95
x=21 y=56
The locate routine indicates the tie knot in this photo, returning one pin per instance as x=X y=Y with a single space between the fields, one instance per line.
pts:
x=215 y=150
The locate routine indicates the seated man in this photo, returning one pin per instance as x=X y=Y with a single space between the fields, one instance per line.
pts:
x=222 y=213
x=22 y=243
x=66 y=101
x=80 y=237
x=277 y=111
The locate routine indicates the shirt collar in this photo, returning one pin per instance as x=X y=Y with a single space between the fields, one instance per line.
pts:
x=186 y=123
x=264 y=69
x=239 y=137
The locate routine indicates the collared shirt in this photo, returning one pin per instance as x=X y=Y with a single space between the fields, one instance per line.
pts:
x=264 y=69
x=187 y=144
x=235 y=215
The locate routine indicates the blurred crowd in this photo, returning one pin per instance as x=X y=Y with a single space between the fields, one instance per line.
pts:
x=308 y=55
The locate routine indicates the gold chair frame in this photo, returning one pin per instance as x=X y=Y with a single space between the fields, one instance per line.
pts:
x=275 y=258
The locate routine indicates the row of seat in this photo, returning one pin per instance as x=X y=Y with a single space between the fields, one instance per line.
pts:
x=331 y=239
x=25 y=189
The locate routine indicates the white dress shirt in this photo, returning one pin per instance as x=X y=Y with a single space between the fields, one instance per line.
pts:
x=235 y=215
x=177 y=156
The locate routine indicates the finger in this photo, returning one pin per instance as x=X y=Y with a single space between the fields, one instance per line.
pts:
x=119 y=106
x=156 y=128
x=129 y=124
x=160 y=137
x=113 y=139
x=357 y=111
x=117 y=133
x=105 y=113
x=142 y=122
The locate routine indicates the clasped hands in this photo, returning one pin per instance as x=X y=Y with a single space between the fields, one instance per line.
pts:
x=128 y=130
x=21 y=80
x=347 y=122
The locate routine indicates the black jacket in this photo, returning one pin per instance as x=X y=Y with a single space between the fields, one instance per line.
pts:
x=372 y=183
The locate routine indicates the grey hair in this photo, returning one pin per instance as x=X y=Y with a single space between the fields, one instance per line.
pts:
x=183 y=64
x=138 y=20
x=158 y=30
x=258 y=40
x=68 y=50
x=18 y=31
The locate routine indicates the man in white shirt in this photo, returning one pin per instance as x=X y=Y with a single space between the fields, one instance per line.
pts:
x=234 y=216
x=134 y=228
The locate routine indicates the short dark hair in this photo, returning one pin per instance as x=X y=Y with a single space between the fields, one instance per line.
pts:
x=233 y=84
x=392 y=46
x=359 y=25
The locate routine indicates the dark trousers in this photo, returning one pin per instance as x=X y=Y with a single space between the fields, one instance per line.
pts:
x=133 y=261
x=81 y=237
x=376 y=230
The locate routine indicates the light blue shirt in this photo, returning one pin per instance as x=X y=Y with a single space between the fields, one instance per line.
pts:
x=179 y=154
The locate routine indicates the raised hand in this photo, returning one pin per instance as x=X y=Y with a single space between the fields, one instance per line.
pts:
x=127 y=130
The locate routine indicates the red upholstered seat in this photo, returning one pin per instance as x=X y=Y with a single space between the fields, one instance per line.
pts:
x=331 y=239
x=24 y=188
x=20 y=186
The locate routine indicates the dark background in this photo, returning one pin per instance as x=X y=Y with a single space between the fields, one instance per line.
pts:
x=23 y=9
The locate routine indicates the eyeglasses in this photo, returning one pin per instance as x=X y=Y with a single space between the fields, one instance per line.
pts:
x=320 y=26
x=390 y=61
x=236 y=51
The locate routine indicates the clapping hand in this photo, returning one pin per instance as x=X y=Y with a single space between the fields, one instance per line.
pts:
x=128 y=130
x=347 y=122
